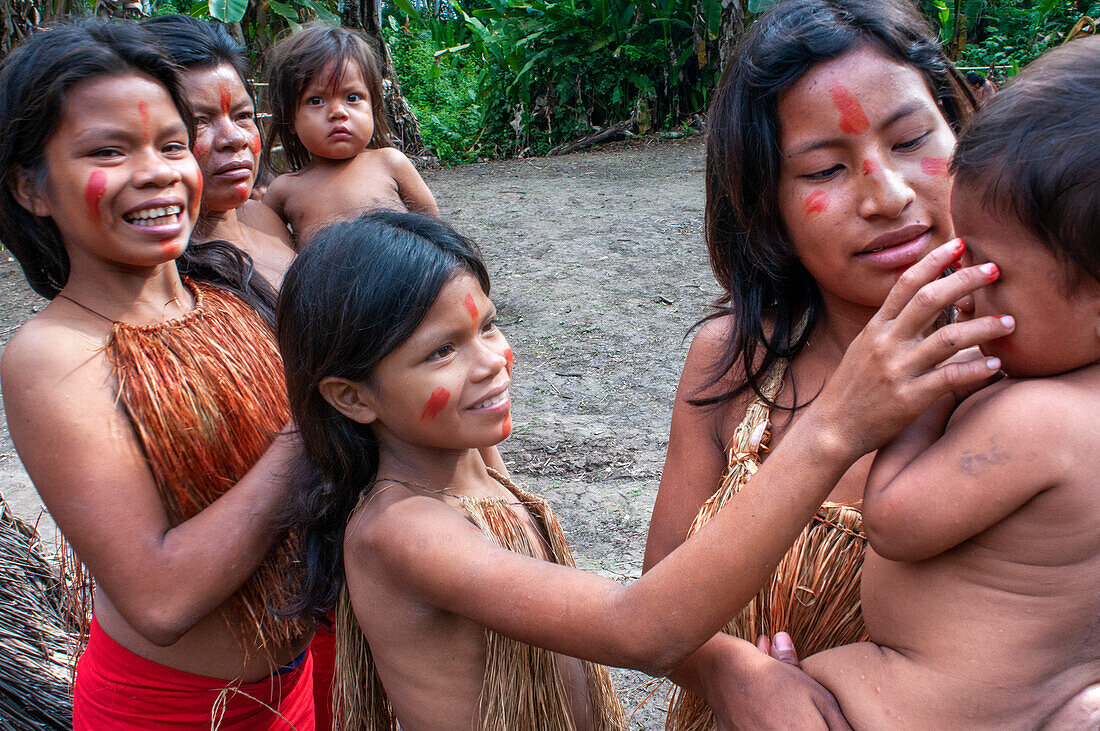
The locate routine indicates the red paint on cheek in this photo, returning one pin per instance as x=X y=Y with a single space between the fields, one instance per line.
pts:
x=508 y=361
x=471 y=307
x=935 y=166
x=816 y=202
x=146 y=128
x=225 y=96
x=436 y=402
x=507 y=428
x=869 y=167
x=197 y=198
x=200 y=149
x=254 y=145
x=93 y=192
x=852 y=119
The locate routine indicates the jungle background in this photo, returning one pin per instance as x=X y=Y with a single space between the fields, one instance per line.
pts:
x=597 y=260
x=483 y=79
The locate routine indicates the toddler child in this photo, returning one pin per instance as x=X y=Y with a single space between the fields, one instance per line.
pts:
x=980 y=591
x=325 y=93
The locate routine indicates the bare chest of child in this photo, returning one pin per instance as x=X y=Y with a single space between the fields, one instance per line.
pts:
x=431 y=661
x=1002 y=629
x=327 y=191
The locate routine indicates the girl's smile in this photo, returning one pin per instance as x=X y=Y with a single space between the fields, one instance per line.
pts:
x=121 y=184
x=447 y=385
x=864 y=193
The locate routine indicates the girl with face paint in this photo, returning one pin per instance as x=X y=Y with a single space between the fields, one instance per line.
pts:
x=458 y=603
x=146 y=398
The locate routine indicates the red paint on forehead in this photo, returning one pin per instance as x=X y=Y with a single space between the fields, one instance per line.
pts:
x=852 y=119
x=507 y=428
x=869 y=167
x=146 y=127
x=254 y=145
x=435 y=404
x=471 y=307
x=93 y=192
x=226 y=97
x=508 y=360
x=816 y=202
x=935 y=166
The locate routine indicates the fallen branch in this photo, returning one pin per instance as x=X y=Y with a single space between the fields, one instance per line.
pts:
x=615 y=132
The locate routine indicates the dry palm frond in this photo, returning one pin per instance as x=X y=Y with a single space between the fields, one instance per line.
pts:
x=523 y=689
x=37 y=634
x=813 y=594
x=206 y=396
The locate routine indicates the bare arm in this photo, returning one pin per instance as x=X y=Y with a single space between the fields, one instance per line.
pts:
x=410 y=186
x=276 y=196
x=80 y=452
x=922 y=501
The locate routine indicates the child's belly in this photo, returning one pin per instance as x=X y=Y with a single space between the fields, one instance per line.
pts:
x=963 y=641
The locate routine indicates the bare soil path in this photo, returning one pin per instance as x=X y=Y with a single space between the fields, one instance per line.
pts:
x=598 y=269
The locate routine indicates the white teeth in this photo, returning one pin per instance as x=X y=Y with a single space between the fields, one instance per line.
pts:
x=146 y=215
x=491 y=402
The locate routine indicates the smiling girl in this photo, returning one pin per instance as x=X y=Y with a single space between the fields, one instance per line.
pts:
x=459 y=605
x=328 y=115
x=145 y=404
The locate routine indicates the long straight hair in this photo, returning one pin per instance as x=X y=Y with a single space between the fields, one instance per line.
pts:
x=355 y=294
x=766 y=290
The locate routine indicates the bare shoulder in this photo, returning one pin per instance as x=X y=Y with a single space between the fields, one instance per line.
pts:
x=391 y=157
x=264 y=219
x=50 y=347
x=396 y=524
x=1058 y=405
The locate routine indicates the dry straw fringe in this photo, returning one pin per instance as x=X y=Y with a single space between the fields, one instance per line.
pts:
x=523 y=689
x=814 y=593
x=37 y=632
x=206 y=396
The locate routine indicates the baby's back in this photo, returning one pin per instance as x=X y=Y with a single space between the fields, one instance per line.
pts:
x=1002 y=629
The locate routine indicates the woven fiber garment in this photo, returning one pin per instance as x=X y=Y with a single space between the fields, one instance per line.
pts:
x=814 y=593
x=523 y=689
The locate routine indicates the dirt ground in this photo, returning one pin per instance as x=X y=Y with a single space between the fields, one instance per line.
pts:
x=598 y=270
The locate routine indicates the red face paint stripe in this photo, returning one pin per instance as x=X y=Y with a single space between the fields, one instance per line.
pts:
x=436 y=402
x=508 y=360
x=93 y=192
x=146 y=127
x=254 y=145
x=226 y=97
x=852 y=119
x=869 y=167
x=471 y=307
x=816 y=202
x=935 y=166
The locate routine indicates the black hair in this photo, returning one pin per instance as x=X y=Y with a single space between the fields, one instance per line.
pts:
x=196 y=44
x=356 y=293
x=767 y=291
x=1034 y=152
x=34 y=82
x=295 y=61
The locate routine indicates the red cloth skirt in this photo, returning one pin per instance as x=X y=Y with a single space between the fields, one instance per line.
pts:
x=323 y=650
x=116 y=689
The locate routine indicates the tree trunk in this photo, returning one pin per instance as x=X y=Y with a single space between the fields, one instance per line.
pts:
x=365 y=15
x=731 y=27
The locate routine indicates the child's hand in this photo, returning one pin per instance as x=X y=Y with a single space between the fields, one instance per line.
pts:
x=892 y=371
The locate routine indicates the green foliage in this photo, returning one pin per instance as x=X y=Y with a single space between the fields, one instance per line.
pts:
x=1008 y=33
x=440 y=88
x=549 y=72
